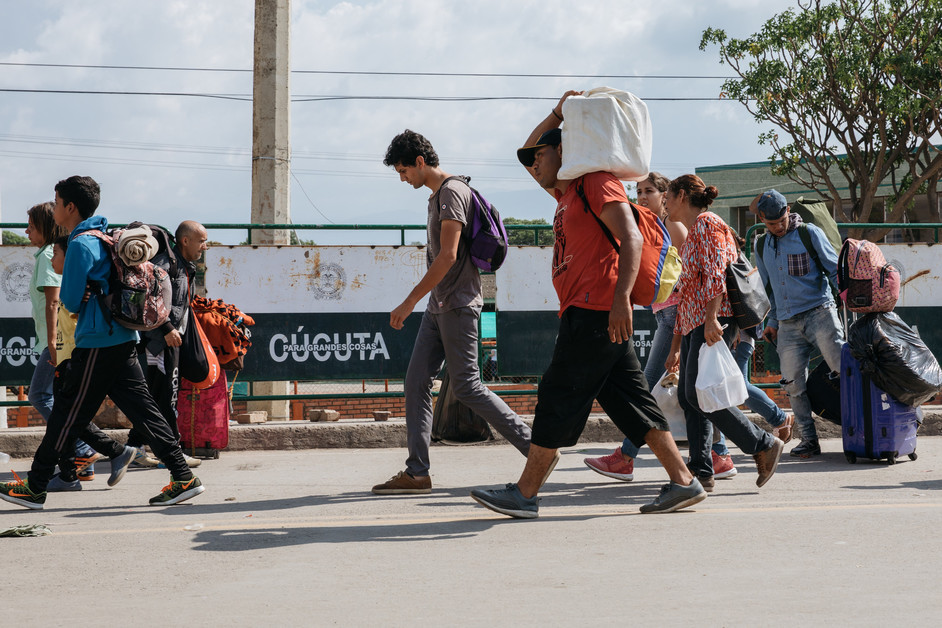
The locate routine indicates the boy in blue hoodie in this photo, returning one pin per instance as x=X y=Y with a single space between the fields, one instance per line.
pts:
x=104 y=362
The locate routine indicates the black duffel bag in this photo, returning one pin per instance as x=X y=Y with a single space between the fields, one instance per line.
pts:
x=454 y=422
x=824 y=393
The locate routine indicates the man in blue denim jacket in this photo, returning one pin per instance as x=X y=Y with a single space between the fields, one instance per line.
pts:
x=803 y=315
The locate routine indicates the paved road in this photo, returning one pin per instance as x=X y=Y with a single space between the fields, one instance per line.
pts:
x=294 y=538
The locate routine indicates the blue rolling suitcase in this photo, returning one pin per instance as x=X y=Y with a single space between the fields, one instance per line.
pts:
x=873 y=424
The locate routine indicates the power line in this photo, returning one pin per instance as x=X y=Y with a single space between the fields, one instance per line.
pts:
x=296 y=154
x=242 y=97
x=366 y=72
x=330 y=97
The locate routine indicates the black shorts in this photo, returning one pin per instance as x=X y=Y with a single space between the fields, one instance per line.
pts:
x=587 y=366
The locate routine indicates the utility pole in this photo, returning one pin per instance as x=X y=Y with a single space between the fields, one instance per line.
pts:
x=271 y=148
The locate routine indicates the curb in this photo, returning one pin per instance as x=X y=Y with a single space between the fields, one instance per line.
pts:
x=21 y=442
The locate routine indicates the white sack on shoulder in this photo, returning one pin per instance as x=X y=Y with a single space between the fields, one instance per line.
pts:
x=606 y=130
x=720 y=383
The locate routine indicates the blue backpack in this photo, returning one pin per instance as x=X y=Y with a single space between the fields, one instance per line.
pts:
x=488 y=238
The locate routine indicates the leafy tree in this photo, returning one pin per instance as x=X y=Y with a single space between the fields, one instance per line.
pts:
x=10 y=237
x=524 y=237
x=855 y=87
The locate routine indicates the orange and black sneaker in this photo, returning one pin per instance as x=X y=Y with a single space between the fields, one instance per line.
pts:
x=177 y=492
x=85 y=466
x=19 y=493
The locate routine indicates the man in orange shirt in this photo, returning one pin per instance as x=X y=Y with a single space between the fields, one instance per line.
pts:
x=594 y=357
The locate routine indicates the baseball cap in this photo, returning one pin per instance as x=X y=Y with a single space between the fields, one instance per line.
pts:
x=551 y=138
x=771 y=205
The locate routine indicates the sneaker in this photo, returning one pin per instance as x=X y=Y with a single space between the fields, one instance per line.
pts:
x=58 y=485
x=404 y=484
x=177 y=492
x=676 y=496
x=85 y=467
x=767 y=461
x=120 y=464
x=784 y=431
x=190 y=462
x=723 y=468
x=19 y=493
x=707 y=482
x=613 y=465
x=143 y=459
x=508 y=501
x=806 y=449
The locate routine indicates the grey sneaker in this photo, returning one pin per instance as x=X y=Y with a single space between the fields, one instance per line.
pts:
x=508 y=501
x=58 y=485
x=141 y=459
x=675 y=496
x=120 y=464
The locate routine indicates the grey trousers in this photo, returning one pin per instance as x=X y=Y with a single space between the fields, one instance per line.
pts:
x=453 y=337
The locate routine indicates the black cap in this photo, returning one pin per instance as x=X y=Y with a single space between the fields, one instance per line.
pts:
x=552 y=137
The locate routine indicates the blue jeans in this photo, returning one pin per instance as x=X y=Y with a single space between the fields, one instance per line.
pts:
x=758 y=401
x=820 y=329
x=654 y=368
x=747 y=436
x=40 y=396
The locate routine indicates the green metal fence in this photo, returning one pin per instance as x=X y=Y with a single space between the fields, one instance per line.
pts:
x=392 y=389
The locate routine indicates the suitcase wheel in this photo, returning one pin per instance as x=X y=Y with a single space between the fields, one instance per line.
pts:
x=891 y=458
x=913 y=456
x=851 y=456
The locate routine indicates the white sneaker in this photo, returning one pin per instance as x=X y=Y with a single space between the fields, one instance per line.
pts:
x=191 y=461
x=143 y=459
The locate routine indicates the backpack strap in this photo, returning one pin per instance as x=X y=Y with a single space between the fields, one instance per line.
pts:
x=94 y=288
x=587 y=208
x=760 y=248
x=805 y=236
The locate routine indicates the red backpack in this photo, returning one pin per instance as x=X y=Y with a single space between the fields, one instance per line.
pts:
x=865 y=281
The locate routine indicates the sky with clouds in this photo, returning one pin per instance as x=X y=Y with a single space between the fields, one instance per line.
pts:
x=168 y=158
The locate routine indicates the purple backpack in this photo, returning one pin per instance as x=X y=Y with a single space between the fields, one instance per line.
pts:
x=488 y=238
x=488 y=235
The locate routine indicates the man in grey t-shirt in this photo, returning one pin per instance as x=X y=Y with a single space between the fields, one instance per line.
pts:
x=449 y=328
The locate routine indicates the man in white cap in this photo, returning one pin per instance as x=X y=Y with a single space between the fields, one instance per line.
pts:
x=798 y=266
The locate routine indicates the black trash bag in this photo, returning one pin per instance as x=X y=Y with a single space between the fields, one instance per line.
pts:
x=453 y=421
x=895 y=358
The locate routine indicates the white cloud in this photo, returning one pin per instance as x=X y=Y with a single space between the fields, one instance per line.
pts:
x=339 y=145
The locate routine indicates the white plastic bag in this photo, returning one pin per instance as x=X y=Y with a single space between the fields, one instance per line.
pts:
x=606 y=130
x=720 y=383
x=665 y=394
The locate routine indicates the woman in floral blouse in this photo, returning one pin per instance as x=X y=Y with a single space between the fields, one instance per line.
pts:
x=704 y=316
